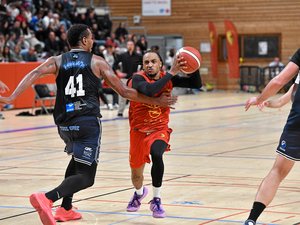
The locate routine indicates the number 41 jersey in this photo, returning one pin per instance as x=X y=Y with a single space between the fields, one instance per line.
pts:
x=77 y=88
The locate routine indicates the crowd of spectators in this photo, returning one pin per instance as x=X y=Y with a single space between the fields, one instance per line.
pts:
x=33 y=30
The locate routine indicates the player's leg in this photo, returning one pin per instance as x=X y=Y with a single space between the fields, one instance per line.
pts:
x=140 y=192
x=66 y=212
x=269 y=186
x=157 y=171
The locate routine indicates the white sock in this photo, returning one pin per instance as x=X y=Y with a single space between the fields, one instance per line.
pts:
x=156 y=192
x=140 y=191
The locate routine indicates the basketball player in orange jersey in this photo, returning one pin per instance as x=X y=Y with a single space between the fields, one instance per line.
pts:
x=149 y=131
x=77 y=116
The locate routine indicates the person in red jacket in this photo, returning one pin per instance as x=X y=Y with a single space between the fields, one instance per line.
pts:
x=149 y=130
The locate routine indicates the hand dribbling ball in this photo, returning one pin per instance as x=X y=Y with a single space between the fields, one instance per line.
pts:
x=192 y=57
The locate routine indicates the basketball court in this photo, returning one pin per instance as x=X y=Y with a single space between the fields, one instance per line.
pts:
x=220 y=153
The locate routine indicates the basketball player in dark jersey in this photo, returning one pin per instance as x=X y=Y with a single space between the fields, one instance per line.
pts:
x=289 y=144
x=77 y=116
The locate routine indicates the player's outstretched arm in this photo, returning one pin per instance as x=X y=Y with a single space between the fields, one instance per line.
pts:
x=46 y=68
x=126 y=92
x=274 y=85
x=3 y=87
x=279 y=102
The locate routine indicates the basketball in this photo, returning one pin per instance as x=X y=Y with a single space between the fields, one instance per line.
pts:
x=192 y=57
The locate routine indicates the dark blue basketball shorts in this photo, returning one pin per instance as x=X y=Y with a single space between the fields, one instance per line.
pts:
x=289 y=145
x=82 y=137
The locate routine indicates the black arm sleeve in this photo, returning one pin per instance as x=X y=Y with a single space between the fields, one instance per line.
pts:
x=192 y=81
x=149 y=89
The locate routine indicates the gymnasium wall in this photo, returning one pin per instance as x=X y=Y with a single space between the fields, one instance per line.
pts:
x=12 y=73
x=190 y=20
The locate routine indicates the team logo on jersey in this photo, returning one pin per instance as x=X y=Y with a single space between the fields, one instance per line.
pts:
x=283 y=145
x=154 y=111
x=70 y=107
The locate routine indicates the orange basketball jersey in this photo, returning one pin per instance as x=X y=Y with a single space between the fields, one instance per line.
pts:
x=145 y=117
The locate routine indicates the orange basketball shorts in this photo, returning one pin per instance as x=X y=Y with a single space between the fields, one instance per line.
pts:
x=140 y=145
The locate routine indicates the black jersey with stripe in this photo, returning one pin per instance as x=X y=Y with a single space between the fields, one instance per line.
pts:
x=293 y=121
x=77 y=88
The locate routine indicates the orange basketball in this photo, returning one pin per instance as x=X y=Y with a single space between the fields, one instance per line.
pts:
x=192 y=57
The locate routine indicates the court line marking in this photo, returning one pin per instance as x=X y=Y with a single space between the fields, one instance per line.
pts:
x=125 y=118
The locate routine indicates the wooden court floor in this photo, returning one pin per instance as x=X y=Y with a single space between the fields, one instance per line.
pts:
x=220 y=153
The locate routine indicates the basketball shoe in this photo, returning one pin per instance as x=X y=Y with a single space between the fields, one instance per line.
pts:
x=249 y=222
x=156 y=208
x=43 y=206
x=63 y=215
x=135 y=202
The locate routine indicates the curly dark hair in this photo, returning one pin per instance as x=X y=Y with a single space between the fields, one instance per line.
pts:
x=76 y=33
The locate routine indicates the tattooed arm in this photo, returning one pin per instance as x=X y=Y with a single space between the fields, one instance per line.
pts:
x=50 y=66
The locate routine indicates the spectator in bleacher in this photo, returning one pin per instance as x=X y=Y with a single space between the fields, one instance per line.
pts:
x=16 y=54
x=33 y=41
x=25 y=29
x=22 y=16
x=48 y=19
x=58 y=7
x=5 y=26
x=122 y=44
x=27 y=12
x=16 y=29
x=142 y=43
x=36 y=21
x=30 y=55
x=90 y=17
x=12 y=40
x=106 y=25
x=121 y=30
x=23 y=43
x=2 y=42
x=96 y=31
x=132 y=37
x=110 y=55
x=81 y=18
x=13 y=10
x=276 y=62
x=63 y=43
x=61 y=29
x=51 y=44
x=56 y=23
x=6 y=54
x=112 y=41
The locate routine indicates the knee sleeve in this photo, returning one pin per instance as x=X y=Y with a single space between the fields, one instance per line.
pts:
x=157 y=170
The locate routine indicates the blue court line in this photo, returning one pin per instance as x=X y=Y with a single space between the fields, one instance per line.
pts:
x=137 y=215
x=114 y=119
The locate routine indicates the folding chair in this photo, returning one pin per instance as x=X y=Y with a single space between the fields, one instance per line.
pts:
x=43 y=93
